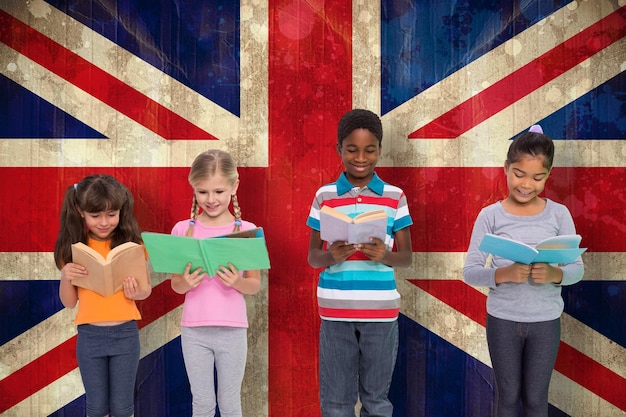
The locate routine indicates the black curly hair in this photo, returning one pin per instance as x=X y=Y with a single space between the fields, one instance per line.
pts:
x=359 y=119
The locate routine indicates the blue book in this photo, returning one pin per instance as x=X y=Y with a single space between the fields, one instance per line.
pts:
x=554 y=250
x=246 y=250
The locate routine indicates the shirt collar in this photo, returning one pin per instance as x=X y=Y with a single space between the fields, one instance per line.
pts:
x=343 y=185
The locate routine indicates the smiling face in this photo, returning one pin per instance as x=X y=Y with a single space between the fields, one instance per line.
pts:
x=359 y=152
x=213 y=196
x=526 y=179
x=101 y=224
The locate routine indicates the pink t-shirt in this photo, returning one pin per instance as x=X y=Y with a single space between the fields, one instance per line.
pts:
x=212 y=303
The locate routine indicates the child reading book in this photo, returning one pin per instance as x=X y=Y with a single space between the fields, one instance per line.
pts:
x=524 y=304
x=356 y=292
x=98 y=211
x=214 y=322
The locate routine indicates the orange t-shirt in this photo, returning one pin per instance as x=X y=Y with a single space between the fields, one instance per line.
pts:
x=93 y=308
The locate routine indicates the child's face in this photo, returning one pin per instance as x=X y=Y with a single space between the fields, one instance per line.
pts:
x=526 y=179
x=101 y=224
x=359 y=152
x=214 y=195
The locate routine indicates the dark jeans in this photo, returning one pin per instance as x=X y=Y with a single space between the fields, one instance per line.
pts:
x=522 y=356
x=108 y=357
x=357 y=361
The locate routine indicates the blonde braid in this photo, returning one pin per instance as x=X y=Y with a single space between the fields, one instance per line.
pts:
x=193 y=215
x=237 y=211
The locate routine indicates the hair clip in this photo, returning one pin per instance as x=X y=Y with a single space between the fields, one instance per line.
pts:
x=75 y=186
x=192 y=222
x=535 y=129
x=237 y=222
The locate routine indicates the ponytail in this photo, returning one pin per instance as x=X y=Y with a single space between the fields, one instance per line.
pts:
x=193 y=216
x=72 y=228
x=237 y=212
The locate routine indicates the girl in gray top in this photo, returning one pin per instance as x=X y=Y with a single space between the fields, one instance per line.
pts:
x=524 y=304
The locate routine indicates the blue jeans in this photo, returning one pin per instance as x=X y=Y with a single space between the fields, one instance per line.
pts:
x=108 y=357
x=357 y=361
x=522 y=356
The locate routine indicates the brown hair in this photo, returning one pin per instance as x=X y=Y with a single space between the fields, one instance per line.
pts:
x=94 y=194
x=205 y=165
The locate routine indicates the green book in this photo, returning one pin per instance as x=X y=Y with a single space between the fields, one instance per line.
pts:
x=171 y=254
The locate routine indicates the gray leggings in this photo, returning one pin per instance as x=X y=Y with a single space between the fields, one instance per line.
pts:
x=223 y=349
x=522 y=356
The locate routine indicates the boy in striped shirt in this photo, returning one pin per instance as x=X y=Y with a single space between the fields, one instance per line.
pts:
x=357 y=297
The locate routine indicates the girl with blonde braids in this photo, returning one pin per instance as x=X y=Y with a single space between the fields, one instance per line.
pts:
x=214 y=320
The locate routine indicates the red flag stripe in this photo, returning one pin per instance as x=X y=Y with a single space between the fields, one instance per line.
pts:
x=98 y=83
x=57 y=362
x=433 y=197
x=535 y=74
x=570 y=362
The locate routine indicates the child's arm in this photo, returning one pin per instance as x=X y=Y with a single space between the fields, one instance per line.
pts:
x=402 y=257
x=67 y=291
x=320 y=258
x=249 y=283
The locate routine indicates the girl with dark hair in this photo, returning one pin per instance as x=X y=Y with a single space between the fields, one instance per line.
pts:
x=524 y=304
x=98 y=211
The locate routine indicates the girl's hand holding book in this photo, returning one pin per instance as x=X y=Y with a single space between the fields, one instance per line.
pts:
x=543 y=273
x=133 y=291
x=229 y=275
x=72 y=271
x=193 y=279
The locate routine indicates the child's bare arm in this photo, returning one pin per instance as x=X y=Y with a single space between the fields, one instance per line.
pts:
x=67 y=291
x=249 y=283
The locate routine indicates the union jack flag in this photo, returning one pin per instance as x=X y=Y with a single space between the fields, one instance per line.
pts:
x=137 y=88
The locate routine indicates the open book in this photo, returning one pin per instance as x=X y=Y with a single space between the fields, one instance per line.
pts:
x=106 y=276
x=553 y=250
x=337 y=226
x=171 y=254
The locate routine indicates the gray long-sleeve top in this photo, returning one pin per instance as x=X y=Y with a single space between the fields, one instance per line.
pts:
x=520 y=302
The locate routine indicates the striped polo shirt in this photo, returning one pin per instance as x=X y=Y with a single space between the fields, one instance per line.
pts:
x=360 y=289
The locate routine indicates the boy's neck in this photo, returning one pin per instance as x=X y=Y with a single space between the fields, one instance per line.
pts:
x=359 y=182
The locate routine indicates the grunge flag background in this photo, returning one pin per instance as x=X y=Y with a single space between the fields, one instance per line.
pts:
x=137 y=88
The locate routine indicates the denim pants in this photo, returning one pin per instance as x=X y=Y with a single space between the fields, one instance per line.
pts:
x=108 y=357
x=357 y=361
x=522 y=356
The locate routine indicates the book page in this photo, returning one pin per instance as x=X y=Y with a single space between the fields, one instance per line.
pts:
x=370 y=215
x=329 y=211
x=558 y=256
x=560 y=242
